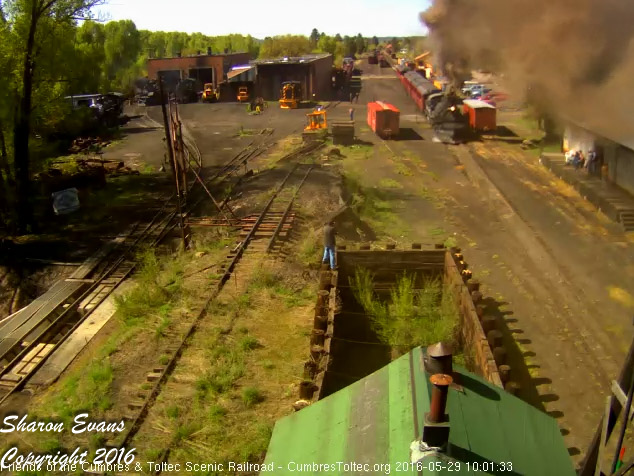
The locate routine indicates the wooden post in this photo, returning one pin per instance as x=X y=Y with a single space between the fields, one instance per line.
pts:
x=495 y=338
x=183 y=164
x=488 y=324
x=173 y=163
x=512 y=387
x=604 y=435
x=499 y=355
x=505 y=373
x=166 y=124
x=589 y=463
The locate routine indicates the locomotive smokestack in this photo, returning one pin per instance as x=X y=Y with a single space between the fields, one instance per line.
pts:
x=439 y=397
x=436 y=428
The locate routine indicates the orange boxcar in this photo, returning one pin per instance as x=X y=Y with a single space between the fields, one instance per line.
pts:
x=482 y=116
x=383 y=119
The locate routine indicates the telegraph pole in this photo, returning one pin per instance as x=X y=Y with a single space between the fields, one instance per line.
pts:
x=173 y=163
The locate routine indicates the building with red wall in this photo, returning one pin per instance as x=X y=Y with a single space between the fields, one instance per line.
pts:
x=209 y=68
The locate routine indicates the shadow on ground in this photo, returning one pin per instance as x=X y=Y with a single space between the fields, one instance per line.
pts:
x=522 y=372
x=407 y=133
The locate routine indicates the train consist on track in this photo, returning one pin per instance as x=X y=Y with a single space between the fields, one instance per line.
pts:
x=441 y=106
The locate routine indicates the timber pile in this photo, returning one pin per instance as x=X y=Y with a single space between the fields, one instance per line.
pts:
x=84 y=143
x=343 y=132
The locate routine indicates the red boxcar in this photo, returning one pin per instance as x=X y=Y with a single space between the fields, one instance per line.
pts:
x=482 y=116
x=383 y=119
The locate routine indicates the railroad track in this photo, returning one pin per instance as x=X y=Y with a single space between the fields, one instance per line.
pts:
x=30 y=340
x=30 y=336
x=260 y=234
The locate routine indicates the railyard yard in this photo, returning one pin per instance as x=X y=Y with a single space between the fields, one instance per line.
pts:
x=206 y=348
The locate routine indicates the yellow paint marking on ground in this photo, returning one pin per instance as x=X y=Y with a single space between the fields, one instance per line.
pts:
x=621 y=296
x=629 y=237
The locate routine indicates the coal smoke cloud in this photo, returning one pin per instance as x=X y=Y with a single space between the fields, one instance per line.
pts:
x=572 y=57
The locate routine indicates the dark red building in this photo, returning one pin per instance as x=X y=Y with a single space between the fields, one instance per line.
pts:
x=209 y=68
x=265 y=77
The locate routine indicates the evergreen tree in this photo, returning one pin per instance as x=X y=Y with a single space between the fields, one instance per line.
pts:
x=314 y=37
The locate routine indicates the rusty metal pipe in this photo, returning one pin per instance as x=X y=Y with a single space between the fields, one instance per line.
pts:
x=439 y=394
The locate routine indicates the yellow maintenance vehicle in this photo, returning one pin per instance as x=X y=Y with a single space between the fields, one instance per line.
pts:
x=316 y=120
x=316 y=125
x=243 y=94
x=210 y=94
x=290 y=94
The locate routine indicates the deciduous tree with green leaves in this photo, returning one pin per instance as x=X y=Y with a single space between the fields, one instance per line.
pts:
x=360 y=43
x=287 y=45
x=33 y=25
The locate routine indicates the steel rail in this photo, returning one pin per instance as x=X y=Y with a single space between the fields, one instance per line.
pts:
x=238 y=252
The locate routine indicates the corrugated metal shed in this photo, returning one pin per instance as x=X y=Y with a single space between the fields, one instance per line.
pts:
x=245 y=73
x=375 y=420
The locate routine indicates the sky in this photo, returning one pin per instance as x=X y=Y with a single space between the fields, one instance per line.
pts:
x=261 y=18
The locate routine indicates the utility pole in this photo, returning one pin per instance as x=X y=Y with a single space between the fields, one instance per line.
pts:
x=168 y=137
x=173 y=163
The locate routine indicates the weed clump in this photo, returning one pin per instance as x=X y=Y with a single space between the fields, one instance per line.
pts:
x=249 y=343
x=252 y=396
x=159 y=284
x=412 y=316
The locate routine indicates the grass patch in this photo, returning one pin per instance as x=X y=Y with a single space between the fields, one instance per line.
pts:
x=310 y=248
x=450 y=242
x=389 y=183
x=252 y=396
x=412 y=316
x=432 y=175
x=159 y=284
x=185 y=430
x=87 y=391
x=249 y=343
x=216 y=412
x=377 y=207
x=273 y=282
x=211 y=242
x=425 y=193
x=437 y=232
x=228 y=368
x=403 y=169
x=357 y=151
x=172 y=411
x=242 y=132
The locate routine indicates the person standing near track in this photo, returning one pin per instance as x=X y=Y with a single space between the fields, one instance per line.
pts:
x=351 y=112
x=329 y=244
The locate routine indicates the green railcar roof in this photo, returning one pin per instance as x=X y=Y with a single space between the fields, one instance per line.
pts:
x=373 y=422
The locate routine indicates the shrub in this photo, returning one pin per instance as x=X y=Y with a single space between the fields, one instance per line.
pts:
x=412 y=317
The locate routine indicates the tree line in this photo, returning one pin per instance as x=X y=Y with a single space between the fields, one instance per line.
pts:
x=50 y=49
